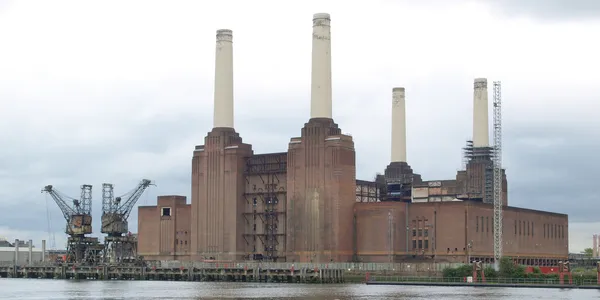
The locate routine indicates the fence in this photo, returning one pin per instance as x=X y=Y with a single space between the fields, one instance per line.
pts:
x=455 y=280
x=360 y=267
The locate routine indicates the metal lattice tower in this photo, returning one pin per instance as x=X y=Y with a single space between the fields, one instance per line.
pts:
x=497 y=172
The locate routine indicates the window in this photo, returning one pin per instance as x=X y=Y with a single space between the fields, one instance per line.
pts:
x=532 y=226
x=414 y=232
x=515 y=227
x=426 y=232
x=414 y=244
x=426 y=244
x=420 y=244
x=420 y=232
x=476 y=224
x=487 y=224
x=544 y=230
x=482 y=225
x=563 y=231
x=165 y=212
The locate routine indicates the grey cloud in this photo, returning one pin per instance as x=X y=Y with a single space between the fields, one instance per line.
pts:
x=553 y=168
x=545 y=10
x=550 y=9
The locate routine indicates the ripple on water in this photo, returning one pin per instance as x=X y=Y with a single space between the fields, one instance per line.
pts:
x=30 y=289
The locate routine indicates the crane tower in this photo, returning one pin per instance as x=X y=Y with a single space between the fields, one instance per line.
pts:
x=80 y=248
x=497 y=173
x=119 y=245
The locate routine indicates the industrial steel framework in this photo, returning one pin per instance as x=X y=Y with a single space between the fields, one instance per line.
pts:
x=80 y=248
x=120 y=246
x=367 y=191
x=497 y=172
x=267 y=167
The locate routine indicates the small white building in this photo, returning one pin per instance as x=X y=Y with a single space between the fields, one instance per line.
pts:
x=24 y=254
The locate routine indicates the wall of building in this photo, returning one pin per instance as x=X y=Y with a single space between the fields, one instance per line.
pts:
x=380 y=231
x=321 y=192
x=455 y=232
x=218 y=200
x=7 y=255
x=164 y=229
x=526 y=233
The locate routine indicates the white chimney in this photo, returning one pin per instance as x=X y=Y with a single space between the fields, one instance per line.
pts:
x=398 y=125
x=480 y=113
x=320 y=94
x=223 y=113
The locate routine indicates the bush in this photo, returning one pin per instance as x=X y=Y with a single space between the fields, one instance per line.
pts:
x=462 y=271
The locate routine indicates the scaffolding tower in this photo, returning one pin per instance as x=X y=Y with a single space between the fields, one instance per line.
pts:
x=265 y=198
x=497 y=173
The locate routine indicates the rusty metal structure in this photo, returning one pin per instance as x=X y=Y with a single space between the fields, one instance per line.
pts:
x=81 y=249
x=120 y=246
x=265 y=196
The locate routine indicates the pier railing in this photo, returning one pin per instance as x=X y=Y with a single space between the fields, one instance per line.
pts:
x=458 y=280
x=420 y=267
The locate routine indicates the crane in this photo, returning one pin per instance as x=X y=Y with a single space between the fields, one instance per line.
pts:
x=80 y=248
x=119 y=244
x=497 y=173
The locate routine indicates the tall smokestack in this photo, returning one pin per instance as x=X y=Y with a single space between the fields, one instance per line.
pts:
x=595 y=245
x=398 y=125
x=480 y=113
x=320 y=94
x=223 y=113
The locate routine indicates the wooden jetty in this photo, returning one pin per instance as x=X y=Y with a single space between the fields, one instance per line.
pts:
x=233 y=273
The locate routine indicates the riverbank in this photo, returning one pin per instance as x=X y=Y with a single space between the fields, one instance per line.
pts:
x=576 y=283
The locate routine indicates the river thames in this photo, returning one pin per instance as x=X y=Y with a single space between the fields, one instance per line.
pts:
x=29 y=289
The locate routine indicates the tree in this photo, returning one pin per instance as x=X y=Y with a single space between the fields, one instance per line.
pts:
x=588 y=252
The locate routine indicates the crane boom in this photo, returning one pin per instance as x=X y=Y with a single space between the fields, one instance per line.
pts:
x=66 y=210
x=134 y=196
x=79 y=215
x=116 y=210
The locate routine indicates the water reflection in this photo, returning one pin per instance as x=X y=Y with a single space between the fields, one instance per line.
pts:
x=25 y=289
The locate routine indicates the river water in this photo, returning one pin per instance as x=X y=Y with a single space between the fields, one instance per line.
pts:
x=29 y=289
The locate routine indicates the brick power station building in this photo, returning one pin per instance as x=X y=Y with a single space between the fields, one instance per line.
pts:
x=306 y=204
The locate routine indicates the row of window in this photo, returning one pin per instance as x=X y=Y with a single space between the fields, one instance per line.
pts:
x=422 y=244
x=485 y=226
x=524 y=228
x=554 y=231
x=420 y=232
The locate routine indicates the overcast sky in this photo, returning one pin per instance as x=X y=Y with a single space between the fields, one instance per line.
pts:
x=117 y=91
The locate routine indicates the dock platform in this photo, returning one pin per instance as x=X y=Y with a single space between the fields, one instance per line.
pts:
x=241 y=273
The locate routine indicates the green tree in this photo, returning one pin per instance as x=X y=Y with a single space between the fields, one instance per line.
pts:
x=588 y=252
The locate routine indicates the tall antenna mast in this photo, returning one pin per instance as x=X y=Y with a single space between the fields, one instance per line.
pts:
x=497 y=173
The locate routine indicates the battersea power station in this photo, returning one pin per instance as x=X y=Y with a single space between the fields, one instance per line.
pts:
x=306 y=205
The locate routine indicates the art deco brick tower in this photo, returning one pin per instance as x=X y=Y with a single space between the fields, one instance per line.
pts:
x=321 y=171
x=217 y=171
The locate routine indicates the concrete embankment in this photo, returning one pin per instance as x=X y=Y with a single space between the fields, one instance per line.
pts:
x=506 y=285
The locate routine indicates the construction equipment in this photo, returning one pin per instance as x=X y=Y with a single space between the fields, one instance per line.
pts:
x=497 y=187
x=120 y=246
x=80 y=248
